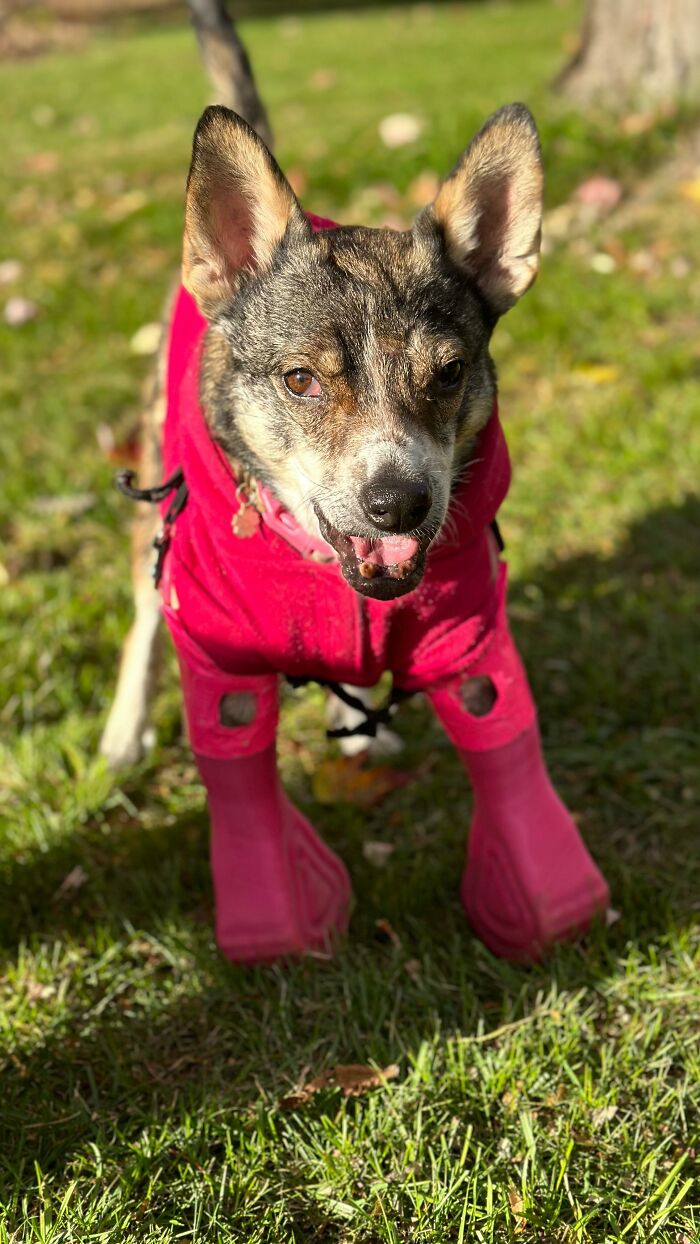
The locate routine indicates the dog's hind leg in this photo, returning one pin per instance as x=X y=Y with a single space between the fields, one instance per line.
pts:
x=124 y=738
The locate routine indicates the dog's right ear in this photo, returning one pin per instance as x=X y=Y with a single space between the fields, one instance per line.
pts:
x=239 y=208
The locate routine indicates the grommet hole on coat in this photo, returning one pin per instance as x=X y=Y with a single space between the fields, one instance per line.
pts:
x=238 y=708
x=478 y=695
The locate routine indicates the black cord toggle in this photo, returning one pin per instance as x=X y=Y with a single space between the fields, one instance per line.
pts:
x=373 y=717
x=177 y=484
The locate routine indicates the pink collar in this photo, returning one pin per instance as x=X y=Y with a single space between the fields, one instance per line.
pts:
x=285 y=525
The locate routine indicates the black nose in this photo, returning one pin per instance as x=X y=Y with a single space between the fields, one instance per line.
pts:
x=396 y=505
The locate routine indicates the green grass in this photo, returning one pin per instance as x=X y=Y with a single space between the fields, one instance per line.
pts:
x=139 y=1073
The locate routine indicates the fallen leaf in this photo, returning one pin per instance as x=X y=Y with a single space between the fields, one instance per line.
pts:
x=603 y=264
x=597 y=373
x=20 y=311
x=41 y=162
x=603 y=193
x=344 y=780
x=638 y=123
x=400 y=128
x=603 y=1115
x=385 y=929
x=353 y=1079
x=124 y=452
x=515 y=1201
x=146 y=339
x=323 y=79
x=377 y=853
x=557 y=1097
x=74 y=880
x=10 y=271
x=36 y=992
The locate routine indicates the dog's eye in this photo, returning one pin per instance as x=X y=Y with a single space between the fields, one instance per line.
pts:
x=450 y=374
x=302 y=383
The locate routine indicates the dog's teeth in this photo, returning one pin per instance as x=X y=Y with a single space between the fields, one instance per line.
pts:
x=367 y=570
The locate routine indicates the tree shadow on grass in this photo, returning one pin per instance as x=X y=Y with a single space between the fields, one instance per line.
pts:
x=611 y=644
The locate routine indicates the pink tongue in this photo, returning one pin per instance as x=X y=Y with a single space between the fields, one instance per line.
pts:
x=387 y=551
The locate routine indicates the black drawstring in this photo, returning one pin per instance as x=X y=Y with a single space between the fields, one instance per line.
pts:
x=176 y=483
x=373 y=717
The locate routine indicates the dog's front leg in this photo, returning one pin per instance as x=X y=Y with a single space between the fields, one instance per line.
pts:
x=529 y=880
x=278 y=889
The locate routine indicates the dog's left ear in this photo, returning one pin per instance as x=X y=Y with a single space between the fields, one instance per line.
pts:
x=489 y=209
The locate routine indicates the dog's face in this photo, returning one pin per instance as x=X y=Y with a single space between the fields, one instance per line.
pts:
x=349 y=369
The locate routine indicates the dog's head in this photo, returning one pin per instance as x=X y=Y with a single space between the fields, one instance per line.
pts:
x=349 y=369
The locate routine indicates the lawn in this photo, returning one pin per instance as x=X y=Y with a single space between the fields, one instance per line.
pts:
x=141 y=1075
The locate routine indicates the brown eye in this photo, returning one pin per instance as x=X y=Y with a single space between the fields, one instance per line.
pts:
x=302 y=383
x=450 y=375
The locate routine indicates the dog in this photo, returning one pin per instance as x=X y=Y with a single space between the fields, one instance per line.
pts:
x=324 y=443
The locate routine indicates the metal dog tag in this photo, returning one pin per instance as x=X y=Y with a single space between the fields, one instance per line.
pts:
x=245 y=522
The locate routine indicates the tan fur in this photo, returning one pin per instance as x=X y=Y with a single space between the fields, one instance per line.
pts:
x=238 y=210
x=490 y=208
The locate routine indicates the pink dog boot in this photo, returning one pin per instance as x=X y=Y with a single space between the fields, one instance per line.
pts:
x=279 y=890
x=529 y=880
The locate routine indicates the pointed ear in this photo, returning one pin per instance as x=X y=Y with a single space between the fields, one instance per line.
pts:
x=239 y=207
x=490 y=207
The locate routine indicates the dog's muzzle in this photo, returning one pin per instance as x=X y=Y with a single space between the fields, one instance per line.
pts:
x=383 y=567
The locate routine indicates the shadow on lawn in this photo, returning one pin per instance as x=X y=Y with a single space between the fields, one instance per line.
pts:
x=611 y=644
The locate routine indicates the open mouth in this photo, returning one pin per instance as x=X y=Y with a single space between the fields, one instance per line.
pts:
x=383 y=567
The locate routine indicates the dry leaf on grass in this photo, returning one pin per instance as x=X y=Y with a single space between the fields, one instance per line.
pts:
x=19 y=311
x=146 y=339
x=346 y=780
x=377 y=853
x=601 y=193
x=603 y=1115
x=690 y=190
x=353 y=1079
x=386 y=930
x=400 y=128
x=74 y=880
x=597 y=373
x=515 y=1201
x=10 y=271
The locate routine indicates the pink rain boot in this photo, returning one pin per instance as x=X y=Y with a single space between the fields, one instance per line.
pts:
x=279 y=890
x=529 y=880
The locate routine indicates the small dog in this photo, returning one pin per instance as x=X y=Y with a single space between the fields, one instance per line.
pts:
x=325 y=414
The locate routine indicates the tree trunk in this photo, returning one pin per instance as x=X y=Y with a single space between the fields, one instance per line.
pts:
x=637 y=52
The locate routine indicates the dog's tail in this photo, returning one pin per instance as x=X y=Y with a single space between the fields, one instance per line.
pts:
x=227 y=64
